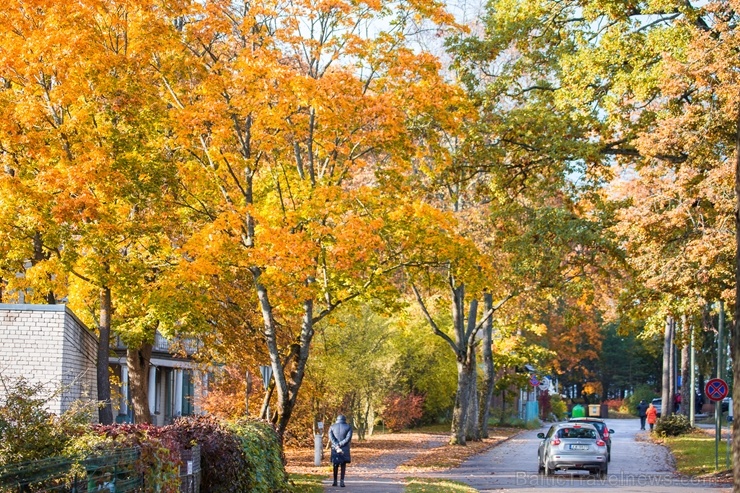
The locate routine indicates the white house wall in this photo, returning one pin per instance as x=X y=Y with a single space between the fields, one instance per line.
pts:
x=48 y=345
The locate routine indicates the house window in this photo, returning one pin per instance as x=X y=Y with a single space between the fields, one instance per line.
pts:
x=188 y=391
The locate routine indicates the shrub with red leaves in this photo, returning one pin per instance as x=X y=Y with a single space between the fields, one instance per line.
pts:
x=614 y=404
x=160 y=452
x=545 y=404
x=401 y=411
x=222 y=462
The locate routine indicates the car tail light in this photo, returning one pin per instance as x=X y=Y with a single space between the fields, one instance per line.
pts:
x=606 y=433
x=600 y=443
x=556 y=441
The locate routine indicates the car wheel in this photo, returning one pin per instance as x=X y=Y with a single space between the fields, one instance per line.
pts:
x=604 y=472
x=548 y=470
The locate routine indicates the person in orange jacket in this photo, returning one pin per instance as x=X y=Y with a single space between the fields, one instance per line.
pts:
x=652 y=416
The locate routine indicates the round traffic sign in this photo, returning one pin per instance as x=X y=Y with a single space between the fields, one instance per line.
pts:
x=545 y=384
x=716 y=389
x=533 y=381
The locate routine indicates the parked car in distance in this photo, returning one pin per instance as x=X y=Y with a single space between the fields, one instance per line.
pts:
x=726 y=404
x=658 y=403
x=569 y=446
x=604 y=432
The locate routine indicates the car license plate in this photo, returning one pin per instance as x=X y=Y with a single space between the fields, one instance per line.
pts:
x=579 y=447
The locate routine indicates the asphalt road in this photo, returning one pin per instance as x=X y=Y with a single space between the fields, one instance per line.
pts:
x=636 y=466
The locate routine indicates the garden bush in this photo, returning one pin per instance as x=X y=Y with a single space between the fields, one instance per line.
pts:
x=222 y=462
x=401 y=411
x=545 y=402
x=642 y=392
x=263 y=454
x=160 y=452
x=615 y=404
x=242 y=456
x=28 y=431
x=673 y=425
x=558 y=407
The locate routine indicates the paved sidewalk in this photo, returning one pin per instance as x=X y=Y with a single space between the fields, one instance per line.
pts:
x=383 y=476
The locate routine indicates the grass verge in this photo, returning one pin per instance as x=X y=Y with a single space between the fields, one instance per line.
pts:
x=429 y=485
x=694 y=453
x=306 y=483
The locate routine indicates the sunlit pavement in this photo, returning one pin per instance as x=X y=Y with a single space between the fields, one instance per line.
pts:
x=637 y=466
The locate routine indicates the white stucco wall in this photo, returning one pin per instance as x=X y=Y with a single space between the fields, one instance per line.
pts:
x=47 y=344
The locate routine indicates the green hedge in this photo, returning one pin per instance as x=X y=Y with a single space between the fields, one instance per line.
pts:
x=263 y=455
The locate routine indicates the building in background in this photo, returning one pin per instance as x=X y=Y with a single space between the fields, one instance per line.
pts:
x=176 y=384
x=49 y=345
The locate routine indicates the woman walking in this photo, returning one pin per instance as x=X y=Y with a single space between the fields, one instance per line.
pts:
x=652 y=416
x=340 y=435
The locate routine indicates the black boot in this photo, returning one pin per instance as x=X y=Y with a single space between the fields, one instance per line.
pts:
x=341 y=484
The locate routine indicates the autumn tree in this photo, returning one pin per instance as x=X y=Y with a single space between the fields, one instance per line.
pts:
x=85 y=143
x=287 y=117
x=654 y=86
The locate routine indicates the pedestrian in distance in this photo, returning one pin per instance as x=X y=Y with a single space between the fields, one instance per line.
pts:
x=699 y=402
x=652 y=416
x=340 y=436
x=641 y=411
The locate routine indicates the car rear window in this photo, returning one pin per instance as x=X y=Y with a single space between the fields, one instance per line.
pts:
x=599 y=426
x=576 y=433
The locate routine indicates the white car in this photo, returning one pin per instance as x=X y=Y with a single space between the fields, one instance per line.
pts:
x=568 y=446
x=658 y=404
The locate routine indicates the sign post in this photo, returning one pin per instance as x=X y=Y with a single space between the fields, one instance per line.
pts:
x=266 y=376
x=716 y=389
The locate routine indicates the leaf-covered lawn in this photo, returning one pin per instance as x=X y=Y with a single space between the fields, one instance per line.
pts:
x=407 y=452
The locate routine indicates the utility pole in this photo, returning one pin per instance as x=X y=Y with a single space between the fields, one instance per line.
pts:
x=718 y=404
x=720 y=340
x=692 y=379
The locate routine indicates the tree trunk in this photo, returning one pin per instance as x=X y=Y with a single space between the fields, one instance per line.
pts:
x=40 y=256
x=488 y=376
x=105 y=413
x=464 y=348
x=462 y=400
x=138 y=362
x=672 y=373
x=462 y=397
x=667 y=348
x=295 y=363
x=472 y=425
x=685 y=375
x=735 y=335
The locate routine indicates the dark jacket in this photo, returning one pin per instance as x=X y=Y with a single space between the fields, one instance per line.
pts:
x=340 y=436
x=642 y=409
